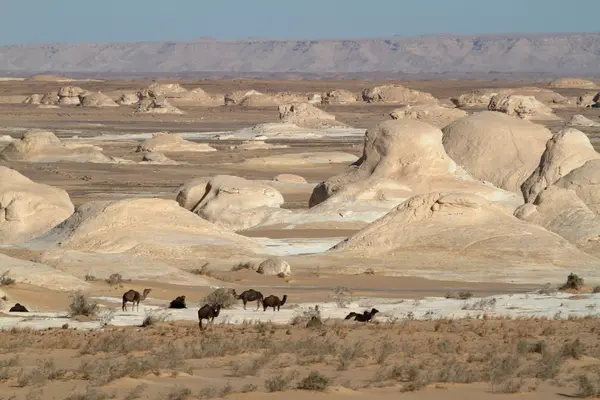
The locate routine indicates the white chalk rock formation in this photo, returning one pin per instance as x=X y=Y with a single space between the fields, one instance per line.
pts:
x=155 y=229
x=29 y=209
x=524 y=107
x=481 y=97
x=158 y=105
x=432 y=113
x=6 y=138
x=167 y=142
x=474 y=98
x=69 y=95
x=96 y=100
x=401 y=158
x=35 y=99
x=338 y=97
x=564 y=213
x=274 y=267
x=573 y=83
x=232 y=202
x=456 y=230
x=44 y=147
x=307 y=116
x=41 y=275
x=585 y=182
x=496 y=148
x=591 y=99
x=276 y=99
x=580 y=120
x=565 y=151
x=237 y=96
x=396 y=94
x=48 y=99
x=162 y=90
x=258 y=145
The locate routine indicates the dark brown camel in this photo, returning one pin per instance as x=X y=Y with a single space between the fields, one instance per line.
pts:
x=209 y=313
x=364 y=317
x=273 y=301
x=18 y=308
x=250 y=295
x=179 y=302
x=133 y=296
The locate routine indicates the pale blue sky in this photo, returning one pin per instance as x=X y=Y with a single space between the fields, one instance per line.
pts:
x=48 y=21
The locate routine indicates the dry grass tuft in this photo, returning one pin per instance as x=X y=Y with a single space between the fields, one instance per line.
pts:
x=314 y=381
x=574 y=282
x=115 y=279
x=222 y=296
x=243 y=266
x=82 y=305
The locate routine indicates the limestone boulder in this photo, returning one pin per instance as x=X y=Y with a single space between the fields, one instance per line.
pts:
x=274 y=267
x=462 y=232
x=70 y=95
x=162 y=90
x=524 y=107
x=43 y=147
x=585 y=182
x=96 y=100
x=276 y=99
x=289 y=178
x=29 y=209
x=581 y=121
x=232 y=202
x=128 y=99
x=496 y=147
x=157 y=158
x=565 y=151
x=401 y=158
x=237 y=96
x=158 y=105
x=307 y=116
x=590 y=99
x=433 y=114
x=396 y=94
x=167 y=142
x=50 y=98
x=474 y=98
x=35 y=99
x=339 y=97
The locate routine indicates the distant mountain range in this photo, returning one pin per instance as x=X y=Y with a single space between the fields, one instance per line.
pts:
x=557 y=54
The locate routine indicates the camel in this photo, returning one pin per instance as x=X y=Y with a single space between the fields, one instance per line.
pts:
x=133 y=296
x=18 y=308
x=249 y=295
x=273 y=301
x=179 y=302
x=364 y=317
x=209 y=313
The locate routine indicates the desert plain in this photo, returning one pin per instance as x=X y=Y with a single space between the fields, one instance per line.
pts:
x=457 y=208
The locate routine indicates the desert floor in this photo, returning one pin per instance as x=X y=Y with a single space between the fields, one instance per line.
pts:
x=476 y=357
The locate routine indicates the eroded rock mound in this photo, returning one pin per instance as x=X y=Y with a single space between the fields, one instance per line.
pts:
x=396 y=94
x=276 y=99
x=496 y=148
x=29 y=209
x=237 y=96
x=69 y=95
x=565 y=151
x=589 y=100
x=474 y=98
x=338 y=97
x=573 y=83
x=481 y=97
x=400 y=159
x=433 y=114
x=42 y=146
x=159 y=105
x=580 y=120
x=157 y=158
x=40 y=275
x=128 y=99
x=585 y=182
x=97 y=100
x=258 y=145
x=289 y=178
x=307 y=116
x=459 y=230
x=232 y=202
x=524 y=107
x=167 y=142
x=156 y=229
x=274 y=267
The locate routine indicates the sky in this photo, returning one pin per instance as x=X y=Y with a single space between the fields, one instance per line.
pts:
x=52 y=21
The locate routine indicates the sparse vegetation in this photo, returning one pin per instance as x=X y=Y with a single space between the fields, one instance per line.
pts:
x=115 y=279
x=90 y=393
x=342 y=296
x=82 y=305
x=6 y=280
x=222 y=296
x=203 y=270
x=90 y=278
x=314 y=381
x=177 y=393
x=278 y=383
x=459 y=295
x=241 y=266
x=153 y=318
x=574 y=282
x=596 y=289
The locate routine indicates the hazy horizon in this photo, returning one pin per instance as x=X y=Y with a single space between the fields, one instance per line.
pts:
x=190 y=20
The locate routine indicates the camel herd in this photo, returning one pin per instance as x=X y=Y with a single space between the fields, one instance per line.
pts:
x=210 y=311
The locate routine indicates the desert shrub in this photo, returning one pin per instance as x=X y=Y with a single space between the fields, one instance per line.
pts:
x=586 y=387
x=6 y=280
x=342 y=296
x=222 y=296
x=596 y=289
x=90 y=278
x=278 y=383
x=136 y=392
x=574 y=349
x=115 y=279
x=177 y=393
x=574 y=282
x=90 y=393
x=81 y=305
x=153 y=318
x=459 y=295
x=547 y=290
x=314 y=381
x=203 y=270
x=241 y=266
x=215 y=392
x=349 y=353
x=249 y=387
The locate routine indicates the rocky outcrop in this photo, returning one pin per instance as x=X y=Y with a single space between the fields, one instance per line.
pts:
x=524 y=107
x=167 y=142
x=396 y=94
x=433 y=114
